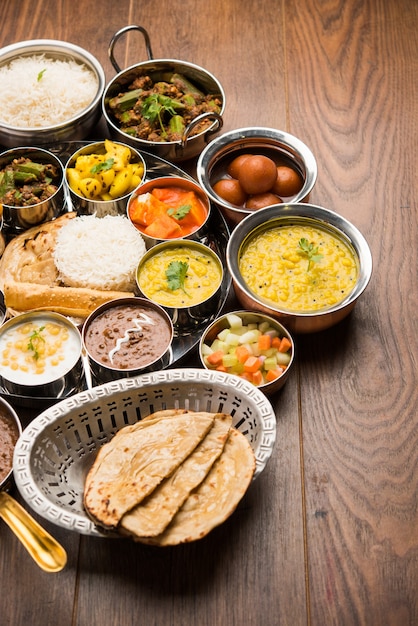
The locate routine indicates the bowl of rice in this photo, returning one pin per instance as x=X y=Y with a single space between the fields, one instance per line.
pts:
x=51 y=92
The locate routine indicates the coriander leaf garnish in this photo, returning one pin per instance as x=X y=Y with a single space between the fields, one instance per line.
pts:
x=156 y=105
x=310 y=251
x=103 y=166
x=176 y=275
x=41 y=73
x=180 y=212
x=34 y=340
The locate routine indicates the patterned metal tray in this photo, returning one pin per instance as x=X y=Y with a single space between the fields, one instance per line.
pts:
x=216 y=239
x=57 y=449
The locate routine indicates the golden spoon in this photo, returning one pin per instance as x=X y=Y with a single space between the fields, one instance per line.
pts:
x=44 y=549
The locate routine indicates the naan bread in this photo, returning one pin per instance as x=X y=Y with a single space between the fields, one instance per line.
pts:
x=29 y=278
x=216 y=498
x=136 y=460
x=153 y=514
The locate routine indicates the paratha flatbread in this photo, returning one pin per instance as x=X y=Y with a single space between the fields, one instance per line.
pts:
x=153 y=514
x=216 y=498
x=136 y=460
x=29 y=278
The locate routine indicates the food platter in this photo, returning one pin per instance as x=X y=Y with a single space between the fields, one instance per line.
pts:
x=216 y=238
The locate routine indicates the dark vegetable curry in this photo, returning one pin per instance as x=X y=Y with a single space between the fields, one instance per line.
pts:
x=161 y=110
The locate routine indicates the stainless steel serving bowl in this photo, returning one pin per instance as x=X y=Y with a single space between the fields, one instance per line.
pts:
x=75 y=128
x=60 y=378
x=190 y=145
x=17 y=219
x=100 y=208
x=279 y=215
x=102 y=373
x=10 y=418
x=276 y=144
x=249 y=317
x=170 y=181
x=186 y=318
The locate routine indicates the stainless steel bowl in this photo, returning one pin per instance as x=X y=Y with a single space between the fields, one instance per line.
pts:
x=79 y=125
x=190 y=145
x=55 y=383
x=102 y=373
x=171 y=181
x=278 y=215
x=100 y=208
x=250 y=317
x=17 y=219
x=186 y=318
x=10 y=419
x=276 y=144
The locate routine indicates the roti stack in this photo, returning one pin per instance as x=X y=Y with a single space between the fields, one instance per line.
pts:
x=170 y=478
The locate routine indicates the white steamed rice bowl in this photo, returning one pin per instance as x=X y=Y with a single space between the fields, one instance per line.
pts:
x=37 y=91
x=99 y=253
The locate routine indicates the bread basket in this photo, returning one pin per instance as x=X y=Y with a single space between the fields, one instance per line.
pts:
x=55 y=452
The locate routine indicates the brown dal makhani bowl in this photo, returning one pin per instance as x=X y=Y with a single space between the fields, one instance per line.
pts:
x=127 y=337
x=310 y=317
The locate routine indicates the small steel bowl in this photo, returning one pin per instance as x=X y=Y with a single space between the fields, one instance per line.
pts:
x=17 y=219
x=185 y=318
x=102 y=372
x=190 y=145
x=283 y=148
x=100 y=208
x=60 y=378
x=249 y=317
x=77 y=127
x=170 y=181
x=10 y=422
x=279 y=215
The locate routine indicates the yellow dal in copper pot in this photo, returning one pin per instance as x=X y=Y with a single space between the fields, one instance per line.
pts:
x=277 y=270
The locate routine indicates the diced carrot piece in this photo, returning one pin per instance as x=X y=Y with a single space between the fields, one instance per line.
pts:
x=215 y=358
x=258 y=378
x=242 y=353
x=276 y=341
x=273 y=374
x=221 y=368
x=163 y=227
x=252 y=364
x=247 y=376
x=264 y=342
x=285 y=345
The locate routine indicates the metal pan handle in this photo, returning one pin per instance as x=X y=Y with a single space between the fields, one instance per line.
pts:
x=119 y=34
x=209 y=115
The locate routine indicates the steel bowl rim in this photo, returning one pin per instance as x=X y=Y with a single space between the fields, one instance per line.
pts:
x=265 y=316
x=170 y=243
x=92 y=145
x=314 y=212
x=54 y=159
x=11 y=412
x=150 y=62
x=218 y=148
x=91 y=61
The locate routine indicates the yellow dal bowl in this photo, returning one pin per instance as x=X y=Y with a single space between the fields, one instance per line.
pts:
x=276 y=279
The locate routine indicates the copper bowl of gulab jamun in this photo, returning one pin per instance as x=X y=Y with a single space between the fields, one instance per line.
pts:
x=251 y=168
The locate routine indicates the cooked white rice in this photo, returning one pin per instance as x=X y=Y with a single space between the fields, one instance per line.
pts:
x=37 y=91
x=99 y=253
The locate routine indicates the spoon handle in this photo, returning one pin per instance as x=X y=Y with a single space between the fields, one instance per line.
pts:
x=44 y=549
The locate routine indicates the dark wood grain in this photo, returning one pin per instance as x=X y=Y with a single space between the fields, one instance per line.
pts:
x=329 y=532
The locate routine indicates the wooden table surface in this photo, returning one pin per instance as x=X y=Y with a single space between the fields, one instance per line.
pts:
x=329 y=532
